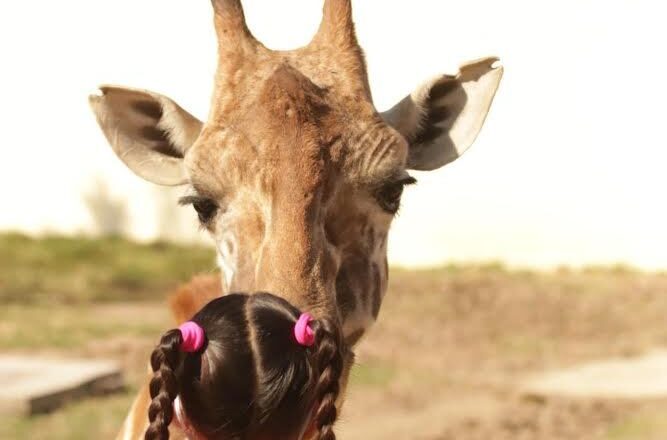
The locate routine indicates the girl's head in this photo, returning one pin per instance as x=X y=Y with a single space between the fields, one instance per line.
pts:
x=253 y=377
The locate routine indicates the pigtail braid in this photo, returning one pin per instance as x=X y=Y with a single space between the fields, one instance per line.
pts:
x=329 y=360
x=164 y=385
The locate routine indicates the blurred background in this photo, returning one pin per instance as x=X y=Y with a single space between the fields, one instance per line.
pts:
x=543 y=247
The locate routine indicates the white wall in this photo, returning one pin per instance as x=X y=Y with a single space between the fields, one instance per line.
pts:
x=568 y=169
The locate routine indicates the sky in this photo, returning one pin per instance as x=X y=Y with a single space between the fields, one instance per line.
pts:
x=568 y=169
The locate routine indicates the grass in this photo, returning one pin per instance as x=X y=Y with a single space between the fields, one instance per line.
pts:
x=82 y=270
x=67 y=327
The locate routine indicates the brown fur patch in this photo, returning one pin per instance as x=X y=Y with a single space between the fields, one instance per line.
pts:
x=188 y=299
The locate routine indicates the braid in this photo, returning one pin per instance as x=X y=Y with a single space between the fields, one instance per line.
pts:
x=164 y=385
x=330 y=366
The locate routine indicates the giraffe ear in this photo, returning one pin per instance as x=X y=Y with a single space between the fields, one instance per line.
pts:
x=149 y=132
x=442 y=118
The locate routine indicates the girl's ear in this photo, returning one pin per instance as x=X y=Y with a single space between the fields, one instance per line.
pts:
x=181 y=422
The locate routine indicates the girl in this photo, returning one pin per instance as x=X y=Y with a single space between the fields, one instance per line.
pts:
x=247 y=367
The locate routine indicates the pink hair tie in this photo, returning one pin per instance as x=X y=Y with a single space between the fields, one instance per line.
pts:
x=302 y=331
x=193 y=337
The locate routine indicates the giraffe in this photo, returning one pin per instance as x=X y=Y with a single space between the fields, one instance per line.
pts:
x=295 y=174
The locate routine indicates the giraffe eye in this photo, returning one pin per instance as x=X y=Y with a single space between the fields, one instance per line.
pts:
x=206 y=208
x=389 y=195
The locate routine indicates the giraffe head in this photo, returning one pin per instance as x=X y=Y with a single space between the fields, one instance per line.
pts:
x=295 y=174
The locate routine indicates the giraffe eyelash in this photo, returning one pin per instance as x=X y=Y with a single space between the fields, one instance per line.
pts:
x=388 y=196
x=205 y=207
x=408 y=180
x=191 y=200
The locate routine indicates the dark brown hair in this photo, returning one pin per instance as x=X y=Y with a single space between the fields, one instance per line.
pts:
x=251 y=379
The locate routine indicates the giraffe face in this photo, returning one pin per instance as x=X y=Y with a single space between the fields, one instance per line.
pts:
x=295 y=174
x=299 y=195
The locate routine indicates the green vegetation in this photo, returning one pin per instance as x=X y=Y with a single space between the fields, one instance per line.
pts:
x=61 y=270
x=73 y=326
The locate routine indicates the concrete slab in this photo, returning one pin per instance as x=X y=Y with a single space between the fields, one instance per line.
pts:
x=634 y=378
x=32 y=385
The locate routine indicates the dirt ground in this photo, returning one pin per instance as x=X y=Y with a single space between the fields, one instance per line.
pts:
x=453 y=347
x=443 y=362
